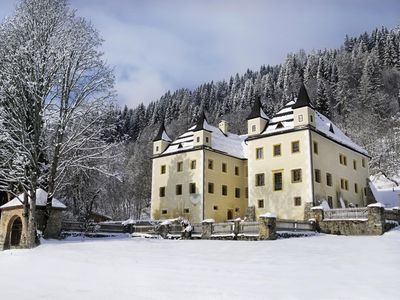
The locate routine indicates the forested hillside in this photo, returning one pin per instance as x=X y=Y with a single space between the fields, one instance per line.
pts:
x=356 y=85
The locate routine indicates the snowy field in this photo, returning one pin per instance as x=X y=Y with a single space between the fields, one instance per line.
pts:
x=319 y=267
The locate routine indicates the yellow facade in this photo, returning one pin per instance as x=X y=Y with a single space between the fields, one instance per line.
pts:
x=328 y=161
x=280 y=202
x=285 y=165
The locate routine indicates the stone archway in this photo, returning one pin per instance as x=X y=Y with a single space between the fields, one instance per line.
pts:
x=15 y=232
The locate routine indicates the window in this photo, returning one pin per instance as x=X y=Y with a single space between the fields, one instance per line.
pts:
x=315 y=144
x=259 y=153
x=211 y=188
x=237 y=209
x=328 y=179
x=330 y=201
x=297 y=201
x=295 y=147
x=206 y=139
x=178 y=189
x=260 y=179
x=193 y=165
x=296 y=175
x=344 y=184
x=237 y=170
x=253 y=128
x=356 y=188
x=157 y=148
x=246 y=193
x=215 y=207
x=224 y=167
x=300 y=118
x=198 y=139
x=311 y=119
x=224 y=190
x=363 y=162
x=192 y=188
x=210 y=164
x=278 y=186
x=343 y=159
x=179 y=166
x=365 y=191
x=162 y=191
x=354 y=164
x=260 y=203
x=164 y=211
x=317 y=175
x=163 y=169
x=186 y=210
x=237 y=193
x=277 y=150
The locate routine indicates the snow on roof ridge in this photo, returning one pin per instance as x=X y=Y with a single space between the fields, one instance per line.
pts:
x=41 y=200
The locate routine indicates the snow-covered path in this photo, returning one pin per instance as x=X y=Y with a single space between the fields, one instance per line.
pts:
x=321 y=267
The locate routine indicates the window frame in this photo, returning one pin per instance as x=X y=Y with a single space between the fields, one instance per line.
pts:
x=224 y=167
x=193 y=164
x=317 y=171
x=274 y=183
x=262 y=202
x=163 y=169
x=259 y=150
x=298 y=146
x=224 y=190
x=263 y=179
x=210 y=184
x=293 y=172
x=328 y=182
x=237 y=171
x=161 y=192
x=237 y=192
x=210 y=164
x=297 y=201
x=277 y=146
x=192 y=188
x=180 y=189
x=315 y=147
x=179 y=166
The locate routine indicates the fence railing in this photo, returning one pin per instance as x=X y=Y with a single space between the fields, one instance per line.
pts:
x=346 y=213
x=249 y=228
x=289 y=225
x=223 y=228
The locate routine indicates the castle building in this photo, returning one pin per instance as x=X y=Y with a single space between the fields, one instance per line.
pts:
x=284 y=165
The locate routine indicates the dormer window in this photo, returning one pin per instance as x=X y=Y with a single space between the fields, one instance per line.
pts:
x=206 y=139
x=300 y=118
x=157 y=148
x=253 y=128
x=198 y=139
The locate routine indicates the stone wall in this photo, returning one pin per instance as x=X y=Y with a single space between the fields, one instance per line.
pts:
x=6 y=221
x=375 y=224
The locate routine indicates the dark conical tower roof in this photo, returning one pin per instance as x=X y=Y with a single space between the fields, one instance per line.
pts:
x=302 y=99
x=200 y=122
x=162 y=134
x=257 y=111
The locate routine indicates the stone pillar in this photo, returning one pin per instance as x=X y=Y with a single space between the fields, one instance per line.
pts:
x=251 y=214
x=318 y=213
x=317 y=216
x=237 y=227
x=268 y=227
x=376 y=219
x=207 y=228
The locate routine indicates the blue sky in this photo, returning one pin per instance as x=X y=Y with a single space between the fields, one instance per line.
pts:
x=156 y=46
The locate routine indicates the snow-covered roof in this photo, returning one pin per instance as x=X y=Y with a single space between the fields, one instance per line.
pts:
x=283 y=121
x=231 y=144
x=41 y=200
x=385 y=191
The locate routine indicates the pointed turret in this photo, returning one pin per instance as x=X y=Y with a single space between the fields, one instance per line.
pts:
x=201 y=135
x=161 y=141
x=162 y=134
x=303 y=99
x=257 y=119
x=303 y=110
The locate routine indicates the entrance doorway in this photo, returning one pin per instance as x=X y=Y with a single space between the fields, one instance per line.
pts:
x=16 y=231
x=230 y=214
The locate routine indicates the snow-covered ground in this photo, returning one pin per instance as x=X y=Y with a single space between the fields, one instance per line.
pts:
x=319 y=267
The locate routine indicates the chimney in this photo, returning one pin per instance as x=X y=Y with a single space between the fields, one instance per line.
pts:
x=223 y=126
